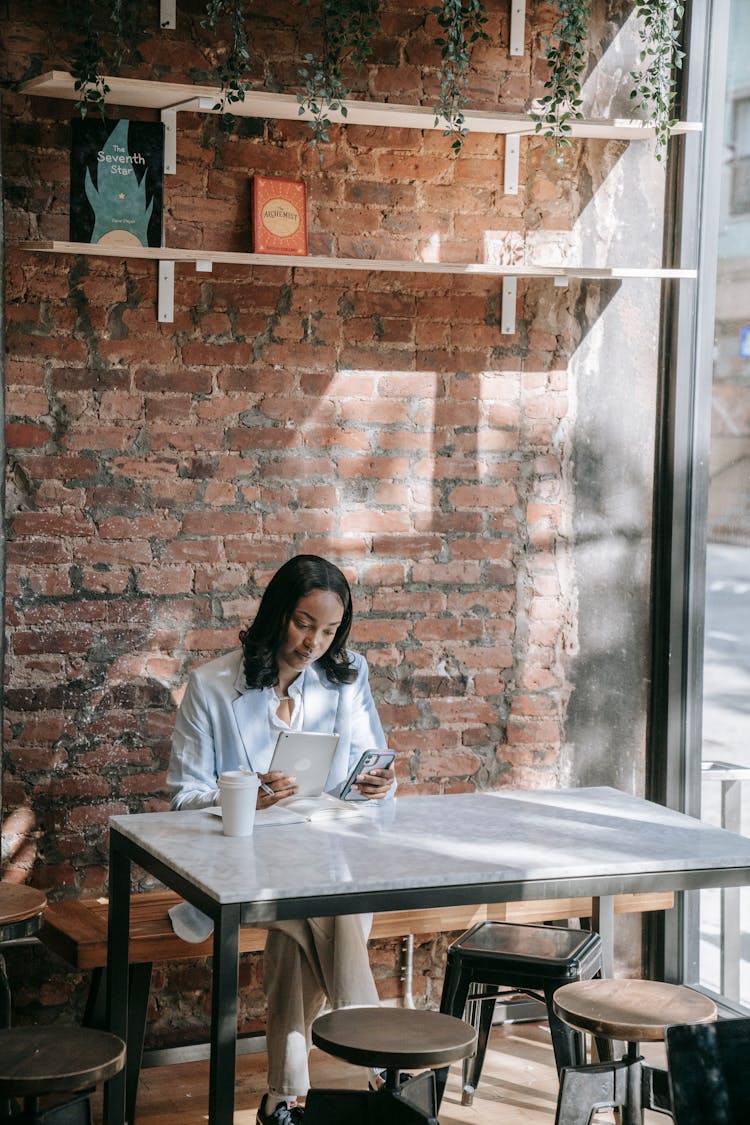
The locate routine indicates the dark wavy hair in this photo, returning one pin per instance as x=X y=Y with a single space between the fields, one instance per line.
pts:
x=292 y=581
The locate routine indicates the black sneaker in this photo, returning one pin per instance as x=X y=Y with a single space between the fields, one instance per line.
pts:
x=282 y=1115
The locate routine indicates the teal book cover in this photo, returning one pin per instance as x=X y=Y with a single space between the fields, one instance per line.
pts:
x=117 y=182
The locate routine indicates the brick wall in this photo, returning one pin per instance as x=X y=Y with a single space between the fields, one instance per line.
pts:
x=159 y=473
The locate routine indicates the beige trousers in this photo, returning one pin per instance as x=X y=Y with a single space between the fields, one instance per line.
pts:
x=306 y=963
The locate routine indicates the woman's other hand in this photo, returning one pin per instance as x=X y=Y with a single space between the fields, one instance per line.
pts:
x=280 y=786
x=376 y=784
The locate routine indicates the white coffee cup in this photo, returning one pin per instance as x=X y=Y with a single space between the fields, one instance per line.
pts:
x=238 y=796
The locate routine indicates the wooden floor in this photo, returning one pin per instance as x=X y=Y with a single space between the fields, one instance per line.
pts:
x=518 y=1087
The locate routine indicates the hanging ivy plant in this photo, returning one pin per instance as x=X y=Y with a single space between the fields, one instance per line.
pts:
x=127 y=26
x=655 y=82
x=88 y=65
x=92 y=60
x=566 y=59
x=232 y=70
x=347 y=28
x=462 y=23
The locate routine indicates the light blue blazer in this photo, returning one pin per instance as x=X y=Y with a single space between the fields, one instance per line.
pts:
x=222 y=725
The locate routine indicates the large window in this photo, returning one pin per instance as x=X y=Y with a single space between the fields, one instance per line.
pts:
x=724 y=956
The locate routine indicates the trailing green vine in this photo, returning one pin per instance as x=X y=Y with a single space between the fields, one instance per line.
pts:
x=566 y=60
x=126 y=23
x=347 y=28
x=88 y=65
x=92 y=59
x=462 y=22
x=231 y=71
x=655 y=82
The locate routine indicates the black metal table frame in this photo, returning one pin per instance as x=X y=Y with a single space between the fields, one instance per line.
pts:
x=229 y=917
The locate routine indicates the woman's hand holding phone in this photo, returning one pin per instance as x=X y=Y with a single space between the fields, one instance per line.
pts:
x=376 y=784
x=372 y=777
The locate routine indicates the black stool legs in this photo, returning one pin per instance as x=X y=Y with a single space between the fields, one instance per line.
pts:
x=568 y=1045
x=76 y=1111
x=602 y=1086
x=500 y=958
x=410 y=1103
x=627 y=1084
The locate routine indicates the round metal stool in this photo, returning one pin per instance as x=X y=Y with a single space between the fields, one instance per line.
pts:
x=21 y=910
x=54 y=1060
x=636 y=1011
x=396 y=1040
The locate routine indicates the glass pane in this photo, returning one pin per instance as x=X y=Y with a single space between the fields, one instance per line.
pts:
x=725 y=915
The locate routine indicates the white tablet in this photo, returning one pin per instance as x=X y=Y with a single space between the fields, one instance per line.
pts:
x=306 y=756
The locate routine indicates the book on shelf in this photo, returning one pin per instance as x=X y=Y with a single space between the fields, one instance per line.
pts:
x=117 y=182
x=279 y=216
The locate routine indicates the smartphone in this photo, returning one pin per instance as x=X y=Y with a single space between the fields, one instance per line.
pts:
x=370 y=760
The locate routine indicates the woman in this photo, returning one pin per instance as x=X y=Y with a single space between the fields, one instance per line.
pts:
x=293 y=671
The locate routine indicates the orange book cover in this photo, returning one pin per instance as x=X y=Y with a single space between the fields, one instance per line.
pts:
x=279 y=223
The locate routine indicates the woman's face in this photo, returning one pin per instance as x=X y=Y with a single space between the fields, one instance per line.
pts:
x=310 y=631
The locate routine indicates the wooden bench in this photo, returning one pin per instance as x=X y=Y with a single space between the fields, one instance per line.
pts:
x=76 y=929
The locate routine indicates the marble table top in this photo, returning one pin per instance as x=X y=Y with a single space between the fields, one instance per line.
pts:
x=550 y=842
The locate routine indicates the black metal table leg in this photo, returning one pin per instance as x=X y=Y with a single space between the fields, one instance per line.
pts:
x=140 y=985
x=226 y=961
x=117 y=974
x=95 y=1016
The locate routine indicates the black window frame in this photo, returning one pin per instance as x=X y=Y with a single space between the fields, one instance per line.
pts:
x=673 y=751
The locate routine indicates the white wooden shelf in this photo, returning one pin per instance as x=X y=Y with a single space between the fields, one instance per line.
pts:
x=172 y=97
x=318 y=262
x=265 y=103
x=205 y=259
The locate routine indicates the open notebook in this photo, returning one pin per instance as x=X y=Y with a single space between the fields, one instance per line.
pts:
x=300 y=809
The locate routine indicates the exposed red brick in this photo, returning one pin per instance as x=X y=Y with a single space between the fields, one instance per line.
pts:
x=161 y=472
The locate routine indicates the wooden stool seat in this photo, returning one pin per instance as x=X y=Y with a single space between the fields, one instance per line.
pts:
x=632 y=1010
x=637 y=1011
x=396 y=1039
x=57 y=1060
x=21 y=910
x=393 y=1038
x=18 y=902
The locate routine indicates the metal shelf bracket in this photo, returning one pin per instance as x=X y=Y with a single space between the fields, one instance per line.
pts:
x=169 y=120
x=508 y=308
x=512 y=163
x=517 y=27
x=168 y=14
x=166 y=292
x=166 y=287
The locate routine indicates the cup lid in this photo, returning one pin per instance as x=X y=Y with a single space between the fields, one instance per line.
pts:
x=240 y=778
